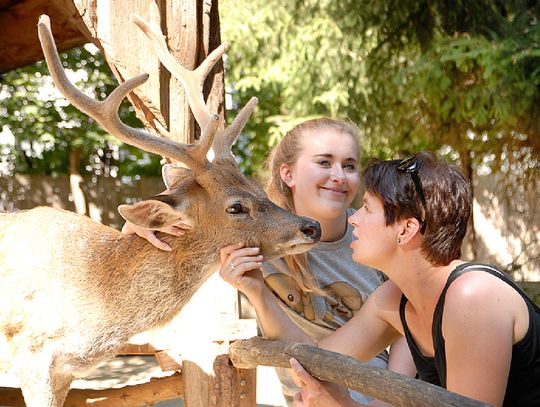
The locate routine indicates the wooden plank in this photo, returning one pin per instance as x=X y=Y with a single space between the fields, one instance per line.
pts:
x=329 y=366
x=182 y=37
x=214 y=86
x=247 y=387
x=191 y=28
x=136 y=349
x=158 y=389
x=127 y=51
x=167 y=362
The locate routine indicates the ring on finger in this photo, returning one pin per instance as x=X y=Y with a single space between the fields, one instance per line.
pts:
x=233 y=267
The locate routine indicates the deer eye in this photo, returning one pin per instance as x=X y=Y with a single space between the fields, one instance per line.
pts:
x=236 y=208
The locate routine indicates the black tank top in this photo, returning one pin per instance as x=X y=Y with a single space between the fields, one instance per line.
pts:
x=523 y=388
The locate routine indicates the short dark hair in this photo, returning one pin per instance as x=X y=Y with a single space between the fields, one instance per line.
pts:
x=447 y=197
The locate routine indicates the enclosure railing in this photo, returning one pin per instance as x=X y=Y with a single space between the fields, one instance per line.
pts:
x=381 y=384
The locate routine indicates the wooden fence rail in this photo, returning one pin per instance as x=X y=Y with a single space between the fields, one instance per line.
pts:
x=333 y=367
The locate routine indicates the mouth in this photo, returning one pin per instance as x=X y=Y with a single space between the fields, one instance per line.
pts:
x=336 y=191
x=294 y=248
x=299 y=248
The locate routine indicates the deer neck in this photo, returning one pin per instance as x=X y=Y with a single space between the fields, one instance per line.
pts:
x=162 y=281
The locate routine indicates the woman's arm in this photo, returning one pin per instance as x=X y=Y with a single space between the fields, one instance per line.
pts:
x=372 y=329
x=400 y=359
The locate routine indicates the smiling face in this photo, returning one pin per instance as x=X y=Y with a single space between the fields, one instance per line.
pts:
x=324 y=179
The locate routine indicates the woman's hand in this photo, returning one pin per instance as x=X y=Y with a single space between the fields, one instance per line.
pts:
x=316 y=393
x=240 y=268
x=177 y=229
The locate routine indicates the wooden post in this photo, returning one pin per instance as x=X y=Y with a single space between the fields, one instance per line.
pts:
x=224 y=386
x=333 y=367
x=191 y=28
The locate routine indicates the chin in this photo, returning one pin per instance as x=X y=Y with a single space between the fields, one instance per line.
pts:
x=356 y=256
x=333 y=210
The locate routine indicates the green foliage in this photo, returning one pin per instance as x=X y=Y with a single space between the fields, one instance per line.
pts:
x=458 y=77
x=46 y=128
x=461 y=77
x=298 y=67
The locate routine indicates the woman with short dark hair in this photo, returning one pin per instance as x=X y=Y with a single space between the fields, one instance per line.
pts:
x=469 y=327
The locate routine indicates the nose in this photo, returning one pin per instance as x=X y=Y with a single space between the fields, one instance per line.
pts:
x=337 y=173
x=353 y=219
x=312 y=229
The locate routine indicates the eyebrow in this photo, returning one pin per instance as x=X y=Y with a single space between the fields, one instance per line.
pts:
x=331 y=155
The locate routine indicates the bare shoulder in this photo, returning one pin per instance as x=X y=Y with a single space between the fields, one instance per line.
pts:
x=478 y=297
x=478 y=287
x=385 y=301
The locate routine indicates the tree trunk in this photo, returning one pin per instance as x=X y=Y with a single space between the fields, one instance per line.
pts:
x=75 y=180
x=466 y=164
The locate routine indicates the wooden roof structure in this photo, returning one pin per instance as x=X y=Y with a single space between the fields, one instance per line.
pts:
x=18 y=20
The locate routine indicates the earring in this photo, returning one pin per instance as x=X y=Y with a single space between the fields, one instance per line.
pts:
x=398 y=240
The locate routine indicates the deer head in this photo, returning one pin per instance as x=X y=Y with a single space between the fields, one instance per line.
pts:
x=211 y=195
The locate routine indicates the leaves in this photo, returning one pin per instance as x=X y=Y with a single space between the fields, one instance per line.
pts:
x=46 y=127
x=412 y=74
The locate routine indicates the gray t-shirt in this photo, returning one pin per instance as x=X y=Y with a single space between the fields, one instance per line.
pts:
x=348 y=283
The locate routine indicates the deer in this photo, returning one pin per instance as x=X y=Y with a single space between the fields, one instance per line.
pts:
x=72 y=291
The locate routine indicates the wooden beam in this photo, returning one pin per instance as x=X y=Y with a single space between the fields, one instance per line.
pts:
x=333 y=367
x=19 y=42
x=158 y=389
x=137 y=349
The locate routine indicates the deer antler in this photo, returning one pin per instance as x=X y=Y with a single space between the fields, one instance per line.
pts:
x=106 y=112
x=192 y=81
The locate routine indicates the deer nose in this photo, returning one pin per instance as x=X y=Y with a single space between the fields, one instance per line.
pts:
x=312 y=229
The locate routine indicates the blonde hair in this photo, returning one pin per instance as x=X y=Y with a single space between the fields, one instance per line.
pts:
x=287 y=152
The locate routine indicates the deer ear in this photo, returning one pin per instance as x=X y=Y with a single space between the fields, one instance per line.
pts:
x=152 y=214
x=173 y=174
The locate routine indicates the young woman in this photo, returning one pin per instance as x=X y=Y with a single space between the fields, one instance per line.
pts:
x=314 y=173
x=469 y=328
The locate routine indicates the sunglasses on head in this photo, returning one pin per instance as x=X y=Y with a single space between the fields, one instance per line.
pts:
x=411 y=165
